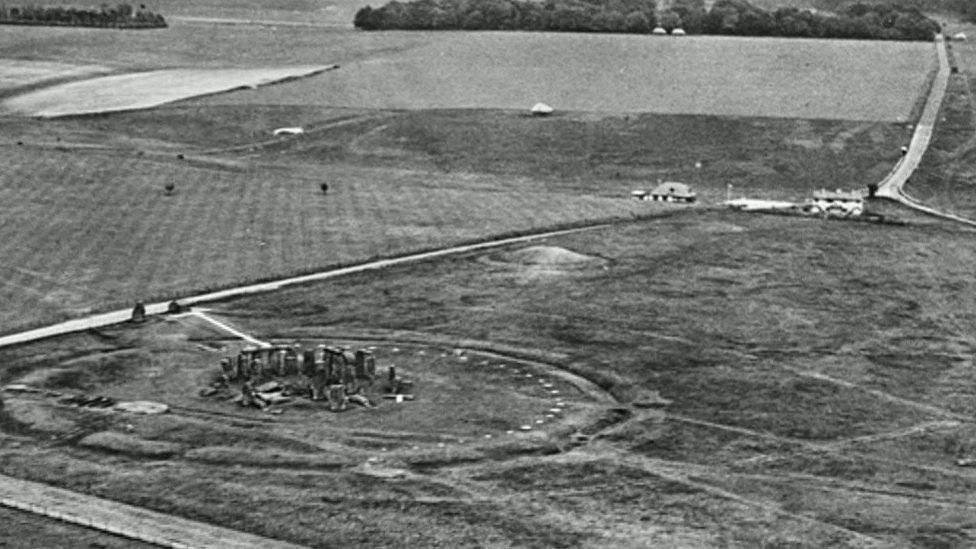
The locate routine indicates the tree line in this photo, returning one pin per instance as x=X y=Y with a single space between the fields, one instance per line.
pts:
x=121 y=16
x=731 y=17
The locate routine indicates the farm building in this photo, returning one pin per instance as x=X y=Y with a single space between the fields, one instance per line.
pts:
x=672 y=191
x=839 y=202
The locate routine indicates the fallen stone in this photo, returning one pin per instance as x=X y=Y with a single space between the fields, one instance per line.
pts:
x=269 y=387
x=360 y=400
x=142 y=407
x=273 y=398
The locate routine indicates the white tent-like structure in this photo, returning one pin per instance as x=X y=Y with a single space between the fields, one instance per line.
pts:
x=659 y=30
x=959 y=36
x=678 y=32
x=288 y=131
x=541 y=109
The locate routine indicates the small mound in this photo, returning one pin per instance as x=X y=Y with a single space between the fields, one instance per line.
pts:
x=111 y=441
x=549 y=256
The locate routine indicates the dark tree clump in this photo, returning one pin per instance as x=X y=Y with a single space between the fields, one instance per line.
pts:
x=732 y=17
x=121 y=16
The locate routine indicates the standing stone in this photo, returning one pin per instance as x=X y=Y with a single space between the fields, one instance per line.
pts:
x=292 y=358
x=335 y=368
x=243 y=361
x=370 y=366
x=305 y=360
x=282 y=355
x=139 y=312
x=320 y=381
x=349 y=377
x=337 y=398
x=361 y=364
x=266 y=355
x=404 y=387
x=228 y=369
x=257 y=369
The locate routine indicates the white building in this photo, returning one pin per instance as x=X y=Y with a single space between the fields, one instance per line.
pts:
x=839 y=202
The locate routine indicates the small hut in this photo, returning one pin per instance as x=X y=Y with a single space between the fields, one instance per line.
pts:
x=659 y=31
x=678 y=32
x=672 y=191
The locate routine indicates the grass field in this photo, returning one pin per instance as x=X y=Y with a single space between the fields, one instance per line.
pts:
x=865 y=81
x=819 y=373
x=19 y=73
x=86 y=230
x=399 y=182
x=629 y=74
x=187 y=45
x=90 y=227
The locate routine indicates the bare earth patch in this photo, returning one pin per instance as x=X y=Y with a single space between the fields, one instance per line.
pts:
x=145 y=90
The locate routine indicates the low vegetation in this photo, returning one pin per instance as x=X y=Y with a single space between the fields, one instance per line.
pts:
x=121 y=16
x=732 y=17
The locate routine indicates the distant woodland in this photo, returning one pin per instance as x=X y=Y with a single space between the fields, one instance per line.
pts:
x=964 y=8
x=731 y=17
x=121 y=16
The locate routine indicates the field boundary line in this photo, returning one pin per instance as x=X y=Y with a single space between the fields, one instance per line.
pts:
x=124 y=520
x=119 y=316
x=252 y=22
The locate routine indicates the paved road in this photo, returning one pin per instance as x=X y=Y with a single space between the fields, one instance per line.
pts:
x=892 y=186
x=125 y=520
